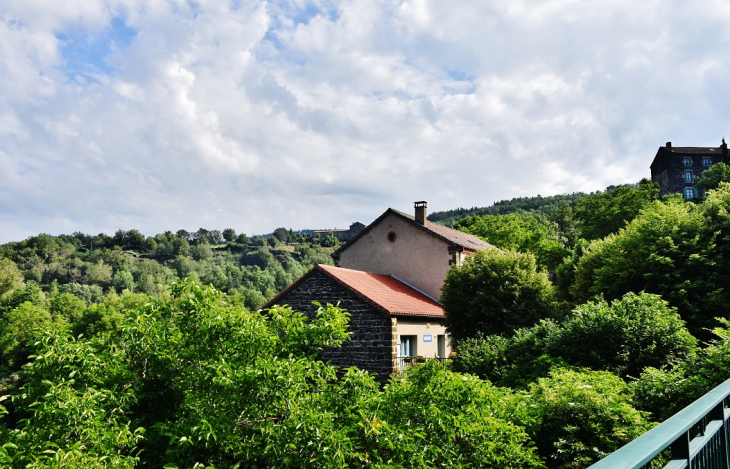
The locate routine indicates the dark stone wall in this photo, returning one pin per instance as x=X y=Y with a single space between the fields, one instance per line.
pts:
x=371 y=345
x=669 y=171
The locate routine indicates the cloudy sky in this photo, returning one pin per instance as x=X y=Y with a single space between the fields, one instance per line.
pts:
x=161 y=115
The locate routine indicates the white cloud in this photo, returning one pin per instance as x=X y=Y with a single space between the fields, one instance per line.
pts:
x=252 y=114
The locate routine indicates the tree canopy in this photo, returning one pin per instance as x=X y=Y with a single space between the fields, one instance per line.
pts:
x=603 y=213
x=520 y=231
x=675 y=249
x=495 y=292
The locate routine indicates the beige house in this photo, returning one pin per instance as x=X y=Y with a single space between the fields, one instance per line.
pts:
x=389 y=278
x=409 y=248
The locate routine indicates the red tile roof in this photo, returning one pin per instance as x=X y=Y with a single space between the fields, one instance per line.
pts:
x=383 y=291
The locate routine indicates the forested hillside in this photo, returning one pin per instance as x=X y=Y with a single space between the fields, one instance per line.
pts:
x=537 y=204
x=594 y=320
x=91 y=267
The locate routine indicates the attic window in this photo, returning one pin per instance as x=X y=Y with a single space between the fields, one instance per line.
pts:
x=392 y=236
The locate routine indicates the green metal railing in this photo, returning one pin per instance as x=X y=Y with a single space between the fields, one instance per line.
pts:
x=698 y=437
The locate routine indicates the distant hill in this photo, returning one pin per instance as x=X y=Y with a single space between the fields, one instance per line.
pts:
x=529 y=204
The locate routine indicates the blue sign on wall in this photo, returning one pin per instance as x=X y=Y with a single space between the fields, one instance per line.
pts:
x=428 y=338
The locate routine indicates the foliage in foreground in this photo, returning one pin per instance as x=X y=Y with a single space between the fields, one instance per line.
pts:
x=192 y=381
x=666 y=390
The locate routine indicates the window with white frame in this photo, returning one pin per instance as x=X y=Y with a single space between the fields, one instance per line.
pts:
x=706 y=161
x=688 y=176
x=689 y=192
x=687 y=160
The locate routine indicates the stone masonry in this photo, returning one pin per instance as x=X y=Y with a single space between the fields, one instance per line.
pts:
x=372 y=345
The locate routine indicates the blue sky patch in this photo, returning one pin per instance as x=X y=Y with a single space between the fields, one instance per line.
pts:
x=85 y=55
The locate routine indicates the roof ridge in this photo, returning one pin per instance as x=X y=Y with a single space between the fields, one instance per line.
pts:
x=448 y=234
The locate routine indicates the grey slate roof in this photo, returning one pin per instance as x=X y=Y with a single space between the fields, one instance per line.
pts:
x=692 y=150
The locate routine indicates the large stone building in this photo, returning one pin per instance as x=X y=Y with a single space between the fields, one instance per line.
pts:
x=676 y=169
x=389 y=278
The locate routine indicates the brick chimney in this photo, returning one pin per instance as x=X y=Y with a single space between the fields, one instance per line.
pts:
x=421 y=212
x=669 y=144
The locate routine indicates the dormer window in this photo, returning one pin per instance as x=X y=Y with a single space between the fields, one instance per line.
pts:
x=706 y=161
x=687 y=160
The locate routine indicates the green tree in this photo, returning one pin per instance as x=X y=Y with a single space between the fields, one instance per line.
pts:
x=522 y=232
x=11 y=278
x=229 y=234
x=437 y=418
x=67 y=306
x=17 y=328
x=712 y=177
x=281 y=234
x=123 y=280
x=495 y=292
x=623 y=337
x=666 y=390
x=603 y=213
x=577 y=418
x=675 y=249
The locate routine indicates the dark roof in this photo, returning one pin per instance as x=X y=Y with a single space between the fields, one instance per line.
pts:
x=691 y=150
x=385 y=292
x=449 y=235
x=664 y=152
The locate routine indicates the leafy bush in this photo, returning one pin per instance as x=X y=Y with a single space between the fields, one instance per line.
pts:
x=664 y=391
x=579 y=417
x=624 y=337
x=495 y=292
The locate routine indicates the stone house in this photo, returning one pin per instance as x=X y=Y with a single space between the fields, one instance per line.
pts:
x=389 y=278
x=391 y=323
x=675 y=169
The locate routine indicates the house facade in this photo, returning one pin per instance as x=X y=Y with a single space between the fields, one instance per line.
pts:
x=390 y=322
x=410 y=248
x=389 y=278
x=676 y=169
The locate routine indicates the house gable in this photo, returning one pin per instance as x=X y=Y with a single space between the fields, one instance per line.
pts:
x=382 y=309
x=418 y=254
x=372 y=344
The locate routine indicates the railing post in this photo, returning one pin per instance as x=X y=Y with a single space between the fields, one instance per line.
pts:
x=680 y=449
x=718 y=413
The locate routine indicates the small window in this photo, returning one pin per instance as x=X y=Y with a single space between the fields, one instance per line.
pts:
x=392 y=236
x=689 y=193
x=687 y=160
x=407 y=346
x=706 y=161
x=688 y=176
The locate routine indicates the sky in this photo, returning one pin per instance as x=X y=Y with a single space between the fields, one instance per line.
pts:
x=167 y=115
